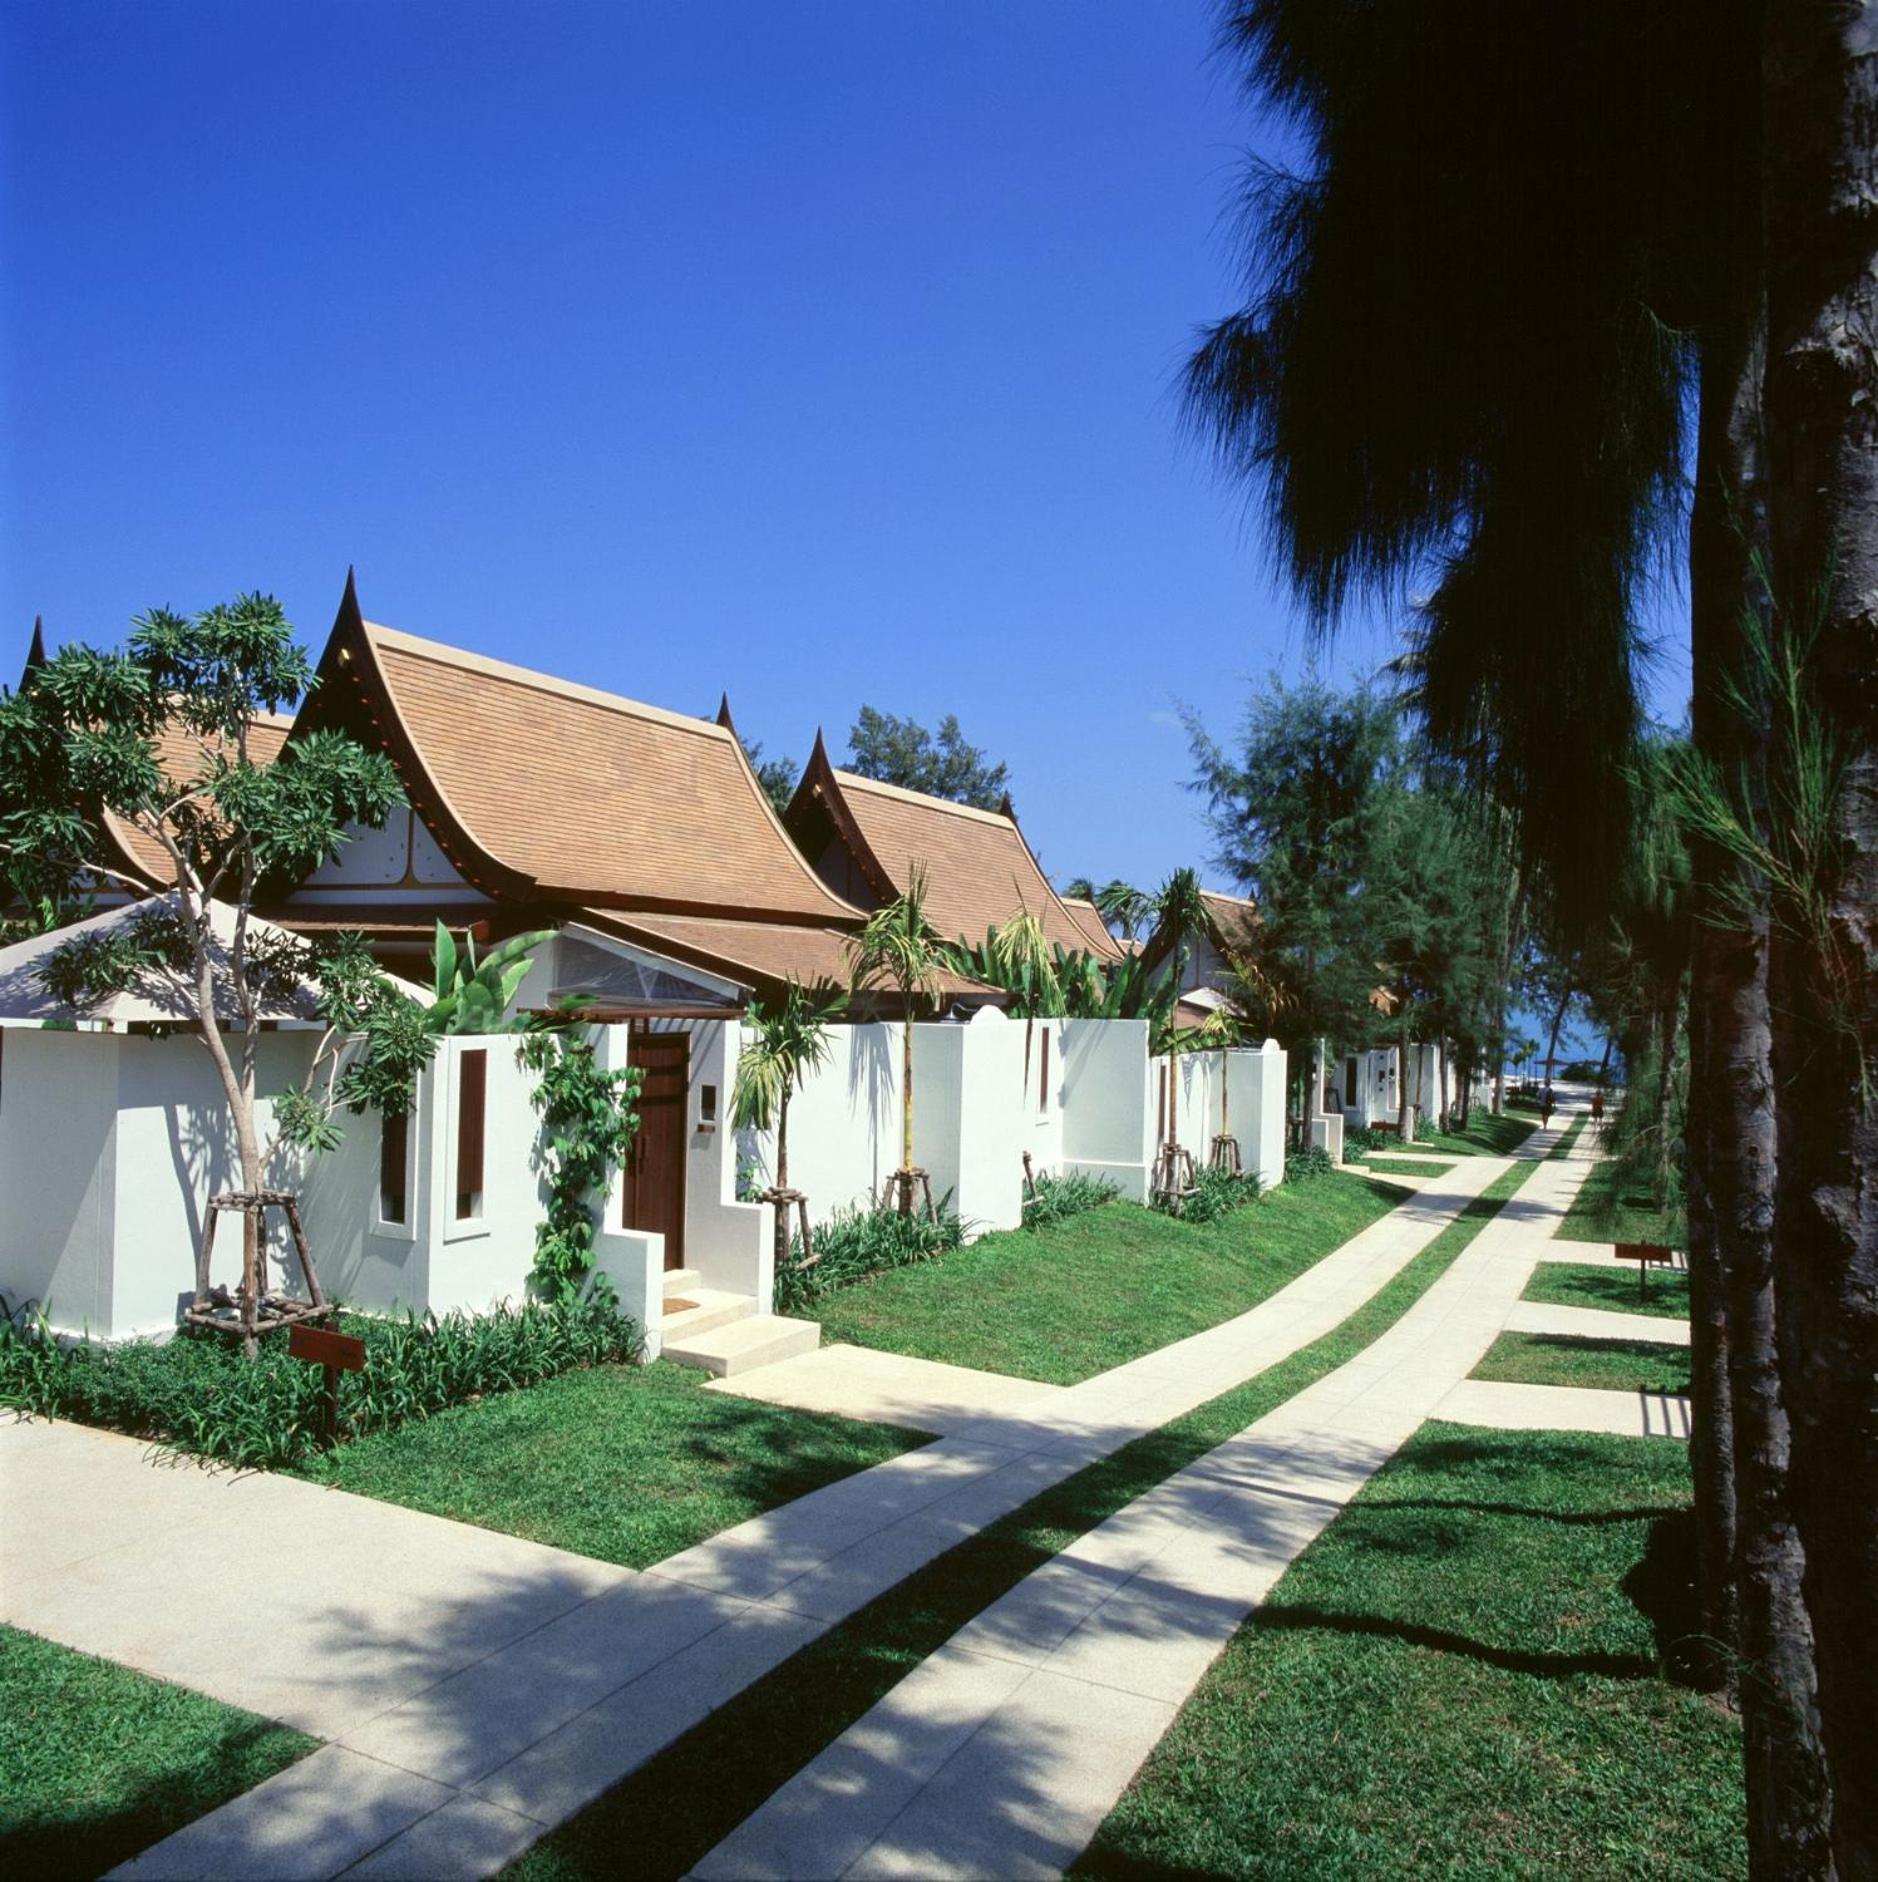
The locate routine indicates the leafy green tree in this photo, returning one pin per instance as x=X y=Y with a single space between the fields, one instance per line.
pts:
x=778 y=776
x=903 y=752
x=898 y=948
x=787 y=1039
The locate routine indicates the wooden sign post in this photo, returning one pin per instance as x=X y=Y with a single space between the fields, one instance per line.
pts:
x=1643 y=1253
x=337 y=1352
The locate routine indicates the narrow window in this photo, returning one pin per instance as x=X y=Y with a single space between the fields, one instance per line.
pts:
x=707 y=1107
x=394 y=1162
x=1043 y=1081
x=472 y=1088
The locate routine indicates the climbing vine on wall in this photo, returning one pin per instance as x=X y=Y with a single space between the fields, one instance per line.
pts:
x=588 y=1123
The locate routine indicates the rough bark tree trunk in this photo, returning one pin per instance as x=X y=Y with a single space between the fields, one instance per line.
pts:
x=1820 y=213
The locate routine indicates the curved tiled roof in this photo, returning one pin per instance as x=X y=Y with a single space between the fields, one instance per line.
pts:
x=979 y=870
x=536 y=786
x=1089 y=918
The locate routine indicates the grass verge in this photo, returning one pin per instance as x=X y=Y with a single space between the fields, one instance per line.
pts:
x=1463 y=1676
x=1601 y=1365
x=1062 y=1303
x=1612 y=1287
x=1405 y=1166
x=626 y=1463
x=726 y=1766
x=1485 y=1135
x=1610 y=1208
x=98 y=1762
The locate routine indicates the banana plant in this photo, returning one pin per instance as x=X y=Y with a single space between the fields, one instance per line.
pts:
x=472 y=995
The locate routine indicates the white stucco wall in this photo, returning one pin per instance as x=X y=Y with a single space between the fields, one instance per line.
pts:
x=1108 y=1102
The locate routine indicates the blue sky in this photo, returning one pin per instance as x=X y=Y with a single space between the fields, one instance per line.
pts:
x=821 y=352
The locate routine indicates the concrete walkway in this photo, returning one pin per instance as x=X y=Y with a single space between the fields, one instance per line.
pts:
x=889 y=1389
x=1565 y=1408
x=1595 y=1323
x=480 y=1689
x=1001 y=1754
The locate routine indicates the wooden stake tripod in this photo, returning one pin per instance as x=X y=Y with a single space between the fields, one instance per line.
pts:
x=1174 y=1177
x=904 y=1187
x=253 y=1310
x=783 y=1200
x=1224 y=1155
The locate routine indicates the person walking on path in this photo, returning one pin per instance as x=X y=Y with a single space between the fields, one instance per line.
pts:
x=1545 y=1109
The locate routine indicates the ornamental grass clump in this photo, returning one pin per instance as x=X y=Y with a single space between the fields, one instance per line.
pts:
x=196 y=1392
x=1216 y=1193
x=855 y=1243
x=1059 y=1197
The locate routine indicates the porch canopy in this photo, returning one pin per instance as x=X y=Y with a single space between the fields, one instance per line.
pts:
x=157 y=996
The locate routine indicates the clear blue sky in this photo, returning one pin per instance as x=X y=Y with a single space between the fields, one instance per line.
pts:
x=823 y=352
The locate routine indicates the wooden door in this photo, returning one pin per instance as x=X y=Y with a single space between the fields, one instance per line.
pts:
x=655 y=1166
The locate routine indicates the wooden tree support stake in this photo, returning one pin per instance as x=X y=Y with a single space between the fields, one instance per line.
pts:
x=785 y=1199
x=906 y=1187
x=1174 y=1176
x=252 y=1310
x=1225 y=1155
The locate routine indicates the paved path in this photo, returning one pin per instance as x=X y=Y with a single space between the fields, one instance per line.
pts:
x=480 y=1689
x=1595 y=1323
x=1565 y=1408
x=1001 y=1754
x=889 y=1388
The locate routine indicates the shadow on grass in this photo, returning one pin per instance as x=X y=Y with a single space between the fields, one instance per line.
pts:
x=1443 y=1640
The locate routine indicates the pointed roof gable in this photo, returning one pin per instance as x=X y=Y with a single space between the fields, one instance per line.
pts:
x=1088 y=917
x=979 y=869
x=540 y=789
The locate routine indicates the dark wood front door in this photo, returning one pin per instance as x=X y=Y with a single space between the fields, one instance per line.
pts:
x=655 y=1166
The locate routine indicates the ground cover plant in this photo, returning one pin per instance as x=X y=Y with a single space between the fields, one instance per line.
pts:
x=1485 y=1135
x=1464 y=1675
x=1611 y=1207
x=1601 y=1365
x=1061 y=1303
x=1612 y=1286
x=855 y=1243
x=1057 y=1198
x=726 y=1766
x=98 y=1762
x=626 y=1463
x=197 y=1392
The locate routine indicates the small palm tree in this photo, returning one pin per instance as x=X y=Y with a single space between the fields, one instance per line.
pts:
x=791 y=1039
x=897 y=948
x=1123 y=906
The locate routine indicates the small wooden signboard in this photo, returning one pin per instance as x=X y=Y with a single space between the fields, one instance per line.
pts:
x=1643 y=1254
x=337 y=1352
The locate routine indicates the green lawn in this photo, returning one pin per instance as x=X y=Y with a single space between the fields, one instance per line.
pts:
x=1461 y=1677
x=725 y=1767
x=98 y=1762
x=1485 y=1135
x=1611 y=1285
x=627 y=1463
x=1382 y=1164
x=1065 y=1302
x=1606 y=1209
x=1603 y=1365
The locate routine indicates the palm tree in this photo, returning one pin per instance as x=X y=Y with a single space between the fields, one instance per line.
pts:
x=1179 y=915
x=897 y=947
x=1406 y=428
x=1123 y=906
x=790 y=1040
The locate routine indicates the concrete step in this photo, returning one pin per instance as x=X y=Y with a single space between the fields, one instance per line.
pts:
x=682 y=1280
x=708 y=1307
x=729 y=1351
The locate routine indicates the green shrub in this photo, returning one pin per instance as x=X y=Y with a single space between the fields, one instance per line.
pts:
x=855 y=1243
x=197 y=1392
x=1215 y=1193
x=1367 y=1137
x=1301 y=1165
x=1059 y=1197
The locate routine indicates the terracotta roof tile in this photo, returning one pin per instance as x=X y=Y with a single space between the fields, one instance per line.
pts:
x=180 y=754
x=593 y=796
x=1089 y=919
x=979 y=870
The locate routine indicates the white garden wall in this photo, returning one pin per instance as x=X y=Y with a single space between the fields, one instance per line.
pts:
x=1108 y=1125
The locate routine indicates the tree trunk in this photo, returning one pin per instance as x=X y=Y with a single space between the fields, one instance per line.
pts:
x=1558 y=1021
x=782 y=1179
x=1820 y=212
x=906 y=1107
x=1404 y=1116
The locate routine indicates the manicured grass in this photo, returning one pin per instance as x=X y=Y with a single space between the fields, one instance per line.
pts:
x=725 y=1767
x=1385 y=1165
x=1461 y=1677
x=1612 y=1285
x=98 y=1762
x=1485 y=1135
x=1064 y=1302
x=626 y=1463
x=1607 y=1209
x=1603 y=1365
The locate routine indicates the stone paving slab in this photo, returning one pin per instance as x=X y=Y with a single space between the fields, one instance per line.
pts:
x=889 y=1389
x=1595 y=1323
x=1118 y=1630
x=1507 y=1407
